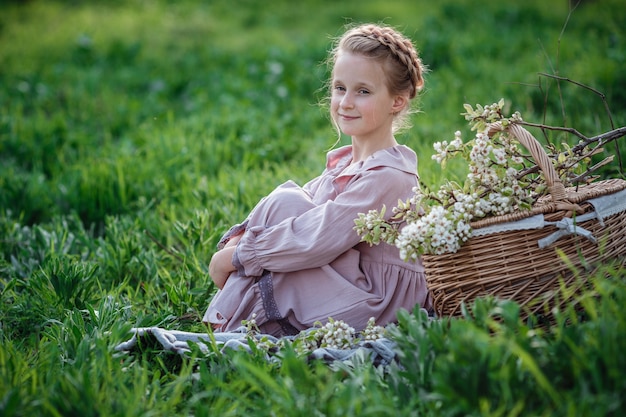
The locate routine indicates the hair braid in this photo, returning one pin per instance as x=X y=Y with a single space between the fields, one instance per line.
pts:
x=401 y=49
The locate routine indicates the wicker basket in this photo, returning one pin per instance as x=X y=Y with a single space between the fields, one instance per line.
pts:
x=509 y=264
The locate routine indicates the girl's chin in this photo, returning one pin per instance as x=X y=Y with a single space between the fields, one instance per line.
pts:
x=347 y=128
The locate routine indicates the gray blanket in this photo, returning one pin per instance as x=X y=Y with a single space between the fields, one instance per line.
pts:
x=379 y=352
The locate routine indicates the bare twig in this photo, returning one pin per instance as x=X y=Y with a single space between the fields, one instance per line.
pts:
x=580 y=149
x=606 y=108
x=558 y=78
x=599 y=93
x=601 y=139
x=564 y=129
x=582 y=177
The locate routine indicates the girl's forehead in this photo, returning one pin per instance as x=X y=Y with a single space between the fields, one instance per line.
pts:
x=357 y=66
x=343 y=56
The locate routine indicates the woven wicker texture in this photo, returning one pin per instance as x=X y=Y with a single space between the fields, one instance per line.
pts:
x=510 y=265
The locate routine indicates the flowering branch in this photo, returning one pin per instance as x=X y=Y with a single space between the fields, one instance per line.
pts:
x=501 y=180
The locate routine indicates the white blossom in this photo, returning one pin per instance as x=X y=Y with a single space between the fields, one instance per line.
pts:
x=439 y=221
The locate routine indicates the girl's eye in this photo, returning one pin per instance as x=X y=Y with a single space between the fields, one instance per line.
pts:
x=339 y=88
x=364 y=92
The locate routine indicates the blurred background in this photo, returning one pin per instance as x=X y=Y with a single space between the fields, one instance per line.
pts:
x=92 y=90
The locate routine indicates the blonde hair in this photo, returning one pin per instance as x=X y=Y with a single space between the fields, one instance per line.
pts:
x=403 y=67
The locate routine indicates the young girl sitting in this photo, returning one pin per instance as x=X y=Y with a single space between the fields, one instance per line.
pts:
x=296 y=259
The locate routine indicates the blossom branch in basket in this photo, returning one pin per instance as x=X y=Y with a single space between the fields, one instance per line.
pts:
x=501 y=180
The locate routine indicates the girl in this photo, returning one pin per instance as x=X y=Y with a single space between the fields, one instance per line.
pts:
x=296 y=259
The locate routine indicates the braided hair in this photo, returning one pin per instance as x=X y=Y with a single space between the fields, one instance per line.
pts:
x=404 y=67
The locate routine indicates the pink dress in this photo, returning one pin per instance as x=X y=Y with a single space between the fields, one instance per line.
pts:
x=299 y=259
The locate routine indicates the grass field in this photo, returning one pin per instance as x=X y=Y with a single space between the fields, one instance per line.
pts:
x=133 y=133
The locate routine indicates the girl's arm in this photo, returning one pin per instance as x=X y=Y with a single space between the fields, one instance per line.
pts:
x=320 y=235
x=221 y=264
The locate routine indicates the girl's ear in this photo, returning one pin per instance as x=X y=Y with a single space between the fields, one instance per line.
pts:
x=399 y=103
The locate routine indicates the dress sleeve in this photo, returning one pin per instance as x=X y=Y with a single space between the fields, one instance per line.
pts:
x=321 y=234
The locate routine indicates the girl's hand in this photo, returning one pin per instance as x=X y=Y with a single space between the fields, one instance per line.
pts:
x=221 y=266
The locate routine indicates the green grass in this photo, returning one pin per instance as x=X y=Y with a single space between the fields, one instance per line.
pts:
x=132 y=134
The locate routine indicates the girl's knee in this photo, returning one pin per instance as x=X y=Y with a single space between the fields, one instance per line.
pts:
x=288 y=202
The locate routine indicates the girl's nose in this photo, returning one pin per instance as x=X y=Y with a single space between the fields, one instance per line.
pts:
x=346 y=101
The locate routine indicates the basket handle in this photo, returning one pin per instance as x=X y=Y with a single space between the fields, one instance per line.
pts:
x=554 y=183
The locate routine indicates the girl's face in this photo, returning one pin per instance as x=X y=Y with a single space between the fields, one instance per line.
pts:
x=361 y=104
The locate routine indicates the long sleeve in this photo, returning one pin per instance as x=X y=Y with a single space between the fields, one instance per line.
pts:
x=321 y=234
